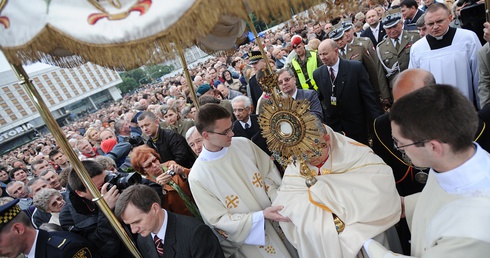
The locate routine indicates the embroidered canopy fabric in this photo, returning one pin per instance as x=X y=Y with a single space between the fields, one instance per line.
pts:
x=125 y=33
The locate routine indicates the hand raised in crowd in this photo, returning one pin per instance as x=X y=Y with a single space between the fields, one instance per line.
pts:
x=110 y=195
x=486 y=31
x=177 y=169
x=163 y=179
x=272 y=213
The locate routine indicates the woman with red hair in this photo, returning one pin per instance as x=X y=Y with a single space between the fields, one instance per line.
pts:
x=172 y=177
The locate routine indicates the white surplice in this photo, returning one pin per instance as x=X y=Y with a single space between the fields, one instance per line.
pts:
x=231 y=186
x=454 y=65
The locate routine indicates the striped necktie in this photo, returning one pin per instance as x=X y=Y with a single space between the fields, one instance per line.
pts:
x=158 y=245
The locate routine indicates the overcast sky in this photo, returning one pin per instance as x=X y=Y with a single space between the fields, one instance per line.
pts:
x=4 y=65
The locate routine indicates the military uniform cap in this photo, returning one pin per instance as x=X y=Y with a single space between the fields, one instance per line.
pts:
x=347 y=24
x=391 y=17
x=8 y=212
x=255 y=56
x=337 y=31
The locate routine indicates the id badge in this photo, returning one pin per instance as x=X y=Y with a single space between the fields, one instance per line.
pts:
x=333 y=101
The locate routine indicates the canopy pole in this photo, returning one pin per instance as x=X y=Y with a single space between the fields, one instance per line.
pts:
x=72 y=157
x=262 y=51
x=187 y=75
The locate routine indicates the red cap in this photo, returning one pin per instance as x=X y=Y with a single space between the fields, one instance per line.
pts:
x=296 y=40
x=108 y=145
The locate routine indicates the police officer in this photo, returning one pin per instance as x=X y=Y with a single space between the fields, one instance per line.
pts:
x=359 y=53
x=18 y=237
x=394 y=51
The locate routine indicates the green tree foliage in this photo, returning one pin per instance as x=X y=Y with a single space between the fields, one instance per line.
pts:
x=137 y=77
x=157 y=71
x=128 y=84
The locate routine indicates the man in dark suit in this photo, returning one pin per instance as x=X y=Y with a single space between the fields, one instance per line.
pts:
x=346 y=94
x=162 y=233
x=18 y=237
x=411 y=13
x=246 y=124
x=375 y=31
x=287 y=84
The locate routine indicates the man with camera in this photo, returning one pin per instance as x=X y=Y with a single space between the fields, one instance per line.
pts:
x=82 y=215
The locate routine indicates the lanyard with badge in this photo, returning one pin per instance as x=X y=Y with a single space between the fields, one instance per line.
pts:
x=333 y=99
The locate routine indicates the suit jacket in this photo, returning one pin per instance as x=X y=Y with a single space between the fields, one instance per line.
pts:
x=388 y=55
x=484 y=73
x=185 y=237
x=255 y=90
x=369 y=33
x=62 y=244
x=409 y=24
x=356 y=104
x=239 y=131
x=312 y=97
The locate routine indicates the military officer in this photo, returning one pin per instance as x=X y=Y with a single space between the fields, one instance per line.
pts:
x=394 y=51
x=18 y=236
x=359 y=53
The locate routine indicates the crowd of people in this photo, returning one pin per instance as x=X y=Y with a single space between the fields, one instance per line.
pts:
x=400 y=95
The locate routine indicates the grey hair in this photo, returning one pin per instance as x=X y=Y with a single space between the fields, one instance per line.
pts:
x=286 y=69
x=190 y=132
x=105 y=161
x=42 y=198
x=246 y=100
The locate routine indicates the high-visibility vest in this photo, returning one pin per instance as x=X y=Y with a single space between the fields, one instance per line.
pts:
x=311 y=65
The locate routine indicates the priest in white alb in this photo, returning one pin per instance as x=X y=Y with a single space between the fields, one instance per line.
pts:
x=450 y=54
x=233 y=183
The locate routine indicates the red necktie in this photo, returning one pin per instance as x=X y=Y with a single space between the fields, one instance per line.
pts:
x=332 y=74
x=158 y=245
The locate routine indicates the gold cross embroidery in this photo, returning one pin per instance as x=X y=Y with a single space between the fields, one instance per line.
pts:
x=257 y=180
x=232 y=201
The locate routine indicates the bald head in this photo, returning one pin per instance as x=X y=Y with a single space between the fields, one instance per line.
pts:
x=411 y=80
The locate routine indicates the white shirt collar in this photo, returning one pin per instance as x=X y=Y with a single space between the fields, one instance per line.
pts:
x=335 y=67
x=163 y=229
x=207 y=155
x=295 y=93
x=470 y=176
x=249 y=122
x=32 y=253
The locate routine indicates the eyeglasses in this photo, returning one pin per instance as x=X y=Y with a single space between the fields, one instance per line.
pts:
x=240 y=109
x=438 y=22
x=286 y=80
x=417 y=144
x=224 y=133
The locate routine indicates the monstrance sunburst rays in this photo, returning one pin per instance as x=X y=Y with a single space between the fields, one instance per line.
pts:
x=290 y=129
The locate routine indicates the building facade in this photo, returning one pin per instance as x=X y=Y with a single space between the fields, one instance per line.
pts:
x=66 y=92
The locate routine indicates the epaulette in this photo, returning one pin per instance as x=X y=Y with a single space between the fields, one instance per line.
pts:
x=58 y=242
